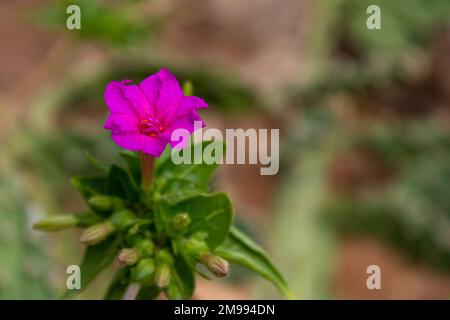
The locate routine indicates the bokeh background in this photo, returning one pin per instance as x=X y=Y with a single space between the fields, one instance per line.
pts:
x=364 y=118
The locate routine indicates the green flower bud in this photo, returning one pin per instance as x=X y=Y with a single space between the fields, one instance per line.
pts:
x=162 y=275
x=145 y=247
x=194 y=247
x=180 y=222
x=218 y=266
x=144 y=271
x=100 y=203
x=56 y=223
x=188 y=88
x=123 y=218
x=96 y=233
x=164 y=256
x=105 y=203
x=128 y=257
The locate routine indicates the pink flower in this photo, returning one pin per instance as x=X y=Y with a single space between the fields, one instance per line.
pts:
x=143 y=117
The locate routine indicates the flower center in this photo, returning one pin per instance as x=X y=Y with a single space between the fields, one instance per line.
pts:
x=150 y=127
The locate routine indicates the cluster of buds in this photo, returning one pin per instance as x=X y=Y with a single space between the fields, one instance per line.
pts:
x=149 y=256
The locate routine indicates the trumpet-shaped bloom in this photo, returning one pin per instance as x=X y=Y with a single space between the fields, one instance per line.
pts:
x=143 y=116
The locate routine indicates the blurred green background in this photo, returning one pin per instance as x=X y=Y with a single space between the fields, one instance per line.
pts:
x=364 y=118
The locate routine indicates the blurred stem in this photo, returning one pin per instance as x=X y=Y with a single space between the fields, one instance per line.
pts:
x=132 y=291
x=147 y=165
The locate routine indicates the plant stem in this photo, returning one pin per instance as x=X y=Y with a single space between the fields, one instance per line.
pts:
x=147 y=164
x=132 y=291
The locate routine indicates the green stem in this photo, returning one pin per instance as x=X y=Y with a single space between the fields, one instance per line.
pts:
x=147 y=165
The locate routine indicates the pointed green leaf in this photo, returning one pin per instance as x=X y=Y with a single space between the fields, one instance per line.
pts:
x=133 y=161
x=90 y=186
x=101 y=167
x=164 y=157
x=121 y=184
x=240 y=249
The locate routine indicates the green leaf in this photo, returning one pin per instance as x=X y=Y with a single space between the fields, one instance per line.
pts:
x=164 y=157
x=96 y=258
x=182 y=282
x=118 y=285
x=160 y=208
x=103 y=168
x=90 y=186
x=148 y=293
x=240 y=249
x=181 y=181
x=211 y=213
x=121 y=184
x=133 y=161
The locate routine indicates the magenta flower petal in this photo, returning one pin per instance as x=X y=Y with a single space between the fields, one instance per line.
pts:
x=193 y=102
x=115 y=99
x=170 y=94
x=153 y=146
x=138 y=100
x=187 y=106
x=186 y=122
x=130 y=141
x=150 y=87
x=122 y=123
x=143 y=117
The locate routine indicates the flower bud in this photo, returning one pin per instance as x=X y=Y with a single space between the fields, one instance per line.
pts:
x=145 y=247
x=188 y=88
x=100 y=203
x=56 y=223
x=180 y=222
x=144 y=271
x=162 y=275
x=96 y=233
x=218 y=266
x=105 y=203
x=164 y=256
x=194 y=247
x=127 y=257
x=123 y=218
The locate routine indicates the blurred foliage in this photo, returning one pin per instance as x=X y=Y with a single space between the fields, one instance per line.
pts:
x=306 y=244
x=24 y=268
x=341 y=39
x=412 y=211
x=405 y=24
x=354 y=74
x=103 y=20
x=222 y=91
